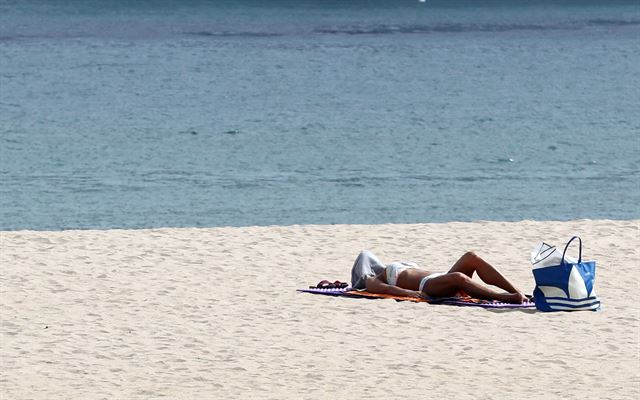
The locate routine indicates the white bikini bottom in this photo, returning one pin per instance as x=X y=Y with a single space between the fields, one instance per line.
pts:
x=426 y=279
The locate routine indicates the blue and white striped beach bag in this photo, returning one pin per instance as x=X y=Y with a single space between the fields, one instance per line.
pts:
x=563 y=284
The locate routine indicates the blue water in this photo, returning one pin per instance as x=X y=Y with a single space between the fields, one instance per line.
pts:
x=194 y=113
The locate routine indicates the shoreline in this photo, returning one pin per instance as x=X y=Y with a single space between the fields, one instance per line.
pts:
x=185 y=312
x=480 y=221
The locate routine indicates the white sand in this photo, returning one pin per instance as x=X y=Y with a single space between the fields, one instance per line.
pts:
x=213 y=313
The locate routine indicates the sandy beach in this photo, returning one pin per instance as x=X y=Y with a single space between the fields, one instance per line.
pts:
x=213 y=313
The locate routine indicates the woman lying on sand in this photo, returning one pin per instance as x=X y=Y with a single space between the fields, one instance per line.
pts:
x=406 y=279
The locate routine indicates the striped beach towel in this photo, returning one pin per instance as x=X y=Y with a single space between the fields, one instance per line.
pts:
x=462 y=301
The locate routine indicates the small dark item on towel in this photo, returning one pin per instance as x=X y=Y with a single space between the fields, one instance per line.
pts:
x=329 y=285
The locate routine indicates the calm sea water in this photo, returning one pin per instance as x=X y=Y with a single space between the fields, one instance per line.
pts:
x=194 y=113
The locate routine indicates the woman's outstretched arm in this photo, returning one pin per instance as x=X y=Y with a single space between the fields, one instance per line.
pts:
x=375 y=285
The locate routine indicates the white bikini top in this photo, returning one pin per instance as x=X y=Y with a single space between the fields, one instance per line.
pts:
x=394 y=269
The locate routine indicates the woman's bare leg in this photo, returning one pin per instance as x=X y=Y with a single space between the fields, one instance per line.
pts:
x=451 y=283
x=470 y=263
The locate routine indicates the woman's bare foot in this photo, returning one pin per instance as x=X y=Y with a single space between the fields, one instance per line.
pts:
x=515 y=298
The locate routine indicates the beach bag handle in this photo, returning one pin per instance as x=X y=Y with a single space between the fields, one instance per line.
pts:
x=567 y=246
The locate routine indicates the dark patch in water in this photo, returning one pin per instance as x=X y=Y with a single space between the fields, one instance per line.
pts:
x=379 y=29
x=234 y=34
x=462 y=28
x=612 y=22
x=440 y=28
